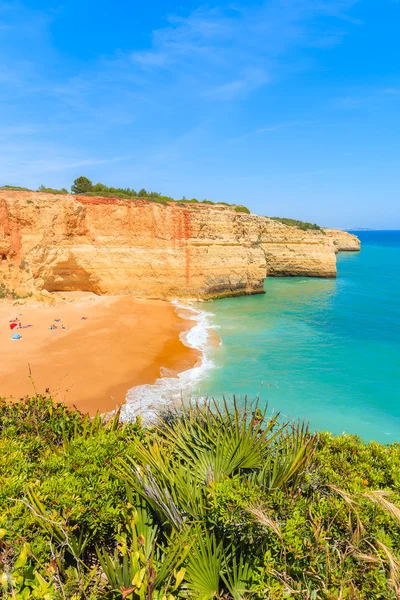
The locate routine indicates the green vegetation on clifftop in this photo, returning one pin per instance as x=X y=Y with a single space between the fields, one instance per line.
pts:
x=15 y=188
x=217 y=502
x=47 y=190
x=83 y=186
x=296 y=223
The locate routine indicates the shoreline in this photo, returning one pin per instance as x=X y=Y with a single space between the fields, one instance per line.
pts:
x=173 y=388
x=95 y=363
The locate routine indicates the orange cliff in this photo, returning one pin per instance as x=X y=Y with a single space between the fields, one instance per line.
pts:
x=114 y=246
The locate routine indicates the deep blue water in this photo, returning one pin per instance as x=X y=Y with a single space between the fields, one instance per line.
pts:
x=324 y=350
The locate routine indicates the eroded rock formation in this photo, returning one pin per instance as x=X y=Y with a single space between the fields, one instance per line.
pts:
x=113 y=246
x=343 y=241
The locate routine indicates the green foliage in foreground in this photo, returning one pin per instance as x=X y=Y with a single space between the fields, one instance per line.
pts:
x=299 y=224
x=214 y=503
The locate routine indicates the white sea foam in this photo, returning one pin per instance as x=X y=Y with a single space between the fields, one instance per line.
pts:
x=149 y=400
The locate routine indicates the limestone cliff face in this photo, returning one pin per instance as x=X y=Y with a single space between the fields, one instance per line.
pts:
x=290 y=251
x=343 y=241
x=112 y=246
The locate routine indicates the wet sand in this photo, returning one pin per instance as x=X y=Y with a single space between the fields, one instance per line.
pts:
x=91 y=364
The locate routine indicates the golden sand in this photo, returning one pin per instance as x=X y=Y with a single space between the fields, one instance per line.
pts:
x=94 y=361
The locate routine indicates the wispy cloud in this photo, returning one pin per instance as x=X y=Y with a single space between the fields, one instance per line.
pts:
x=284 y=126
x=357 y=100
x=219 y=53
x=12 y=131
x=226 y=51
x=300 y=123
x=199 y=63
x=392 y=91
x=251 y=79
x=13 y=162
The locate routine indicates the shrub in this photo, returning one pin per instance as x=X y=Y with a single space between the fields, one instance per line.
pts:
x=298 y=224
x=128 y=196
x=47 y=190
x=15 y=188
x=11 y=294
x=83 y=186
x=242 y=209
x=215 y=502
x=108 y=194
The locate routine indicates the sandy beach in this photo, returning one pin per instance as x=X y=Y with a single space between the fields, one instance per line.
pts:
x=92 y=363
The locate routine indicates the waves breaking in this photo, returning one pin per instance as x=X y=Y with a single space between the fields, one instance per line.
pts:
x=148 y=401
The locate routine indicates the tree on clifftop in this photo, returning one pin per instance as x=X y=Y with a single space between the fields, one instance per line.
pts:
x=81 y=185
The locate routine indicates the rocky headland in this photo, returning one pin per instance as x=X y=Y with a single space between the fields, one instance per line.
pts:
x=152 y=250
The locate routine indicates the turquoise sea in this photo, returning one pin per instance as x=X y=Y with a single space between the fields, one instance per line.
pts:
x=324 y=350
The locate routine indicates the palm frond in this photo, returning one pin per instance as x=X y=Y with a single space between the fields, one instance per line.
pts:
x=288 y=458
x=203 y=573
x=140 y=563
x=219 y=440
x=237 y=576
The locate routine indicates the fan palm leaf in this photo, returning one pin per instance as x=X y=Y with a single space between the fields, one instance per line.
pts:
x=288 y=458
x=203 y=572
x=236 y=576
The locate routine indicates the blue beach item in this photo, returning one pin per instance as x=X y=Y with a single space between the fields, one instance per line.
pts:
x=16 y=336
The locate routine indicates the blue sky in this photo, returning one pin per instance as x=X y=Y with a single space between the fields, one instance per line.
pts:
x=288 y=106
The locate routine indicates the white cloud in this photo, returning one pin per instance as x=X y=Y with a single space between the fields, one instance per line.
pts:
x=284 y=126
x=393 y=91
x=16 y=163
x=228 y=51
x=197 y=64
x=149 y=59
x=251 y=80
x=276 y=127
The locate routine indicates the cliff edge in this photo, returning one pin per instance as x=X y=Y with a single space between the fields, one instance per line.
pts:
x=150 y=250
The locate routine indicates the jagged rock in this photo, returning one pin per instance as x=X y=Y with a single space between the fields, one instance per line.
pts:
x=150 y=250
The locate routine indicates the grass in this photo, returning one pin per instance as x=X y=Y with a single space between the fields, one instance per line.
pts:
x=218 y=501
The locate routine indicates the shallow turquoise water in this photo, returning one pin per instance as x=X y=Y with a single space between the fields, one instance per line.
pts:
x=324 y=350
